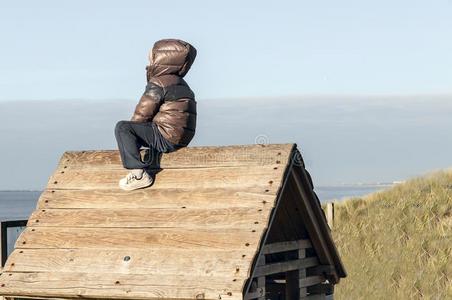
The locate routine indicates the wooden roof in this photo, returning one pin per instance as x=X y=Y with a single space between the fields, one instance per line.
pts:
x=194 y=234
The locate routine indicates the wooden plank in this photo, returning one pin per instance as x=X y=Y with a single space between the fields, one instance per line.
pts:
x=246 y=218
x=118 y=286
x=191 y=157
x=285 y=266
x=105 y=178
x=286 y=246
x=137 y=238
x=314 y=220
x=218 y=263
x=326 y=232
x=214 y=198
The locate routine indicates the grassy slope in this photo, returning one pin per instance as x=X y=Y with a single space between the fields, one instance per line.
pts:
x=397 y=244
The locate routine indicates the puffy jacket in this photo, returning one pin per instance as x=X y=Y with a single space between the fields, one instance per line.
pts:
x=168 y=101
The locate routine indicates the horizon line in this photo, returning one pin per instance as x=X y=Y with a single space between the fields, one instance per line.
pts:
x=399 y=96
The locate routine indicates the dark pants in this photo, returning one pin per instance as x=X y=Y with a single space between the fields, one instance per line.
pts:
x=131 y=136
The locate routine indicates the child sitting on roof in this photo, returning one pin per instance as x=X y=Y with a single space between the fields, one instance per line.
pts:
x=165 y=117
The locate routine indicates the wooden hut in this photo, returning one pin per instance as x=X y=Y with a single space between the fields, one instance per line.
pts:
x=235 y=222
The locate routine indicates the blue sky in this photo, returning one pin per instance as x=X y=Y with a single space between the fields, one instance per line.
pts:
x=363 y=87
x=97 y=49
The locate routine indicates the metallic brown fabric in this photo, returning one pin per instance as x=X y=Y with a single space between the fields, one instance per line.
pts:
x=168 y=100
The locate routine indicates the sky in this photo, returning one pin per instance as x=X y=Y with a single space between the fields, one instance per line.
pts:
x=98 y=49
x=363 y=87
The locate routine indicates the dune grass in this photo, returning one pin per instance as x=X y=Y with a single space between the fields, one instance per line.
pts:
x=397 y=244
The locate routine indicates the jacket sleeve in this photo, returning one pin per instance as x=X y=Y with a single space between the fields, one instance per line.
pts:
x=149 y=104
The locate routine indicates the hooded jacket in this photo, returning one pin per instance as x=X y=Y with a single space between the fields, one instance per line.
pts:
x=168 y=101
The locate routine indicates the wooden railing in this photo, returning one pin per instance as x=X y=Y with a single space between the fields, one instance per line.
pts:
x=9 y=232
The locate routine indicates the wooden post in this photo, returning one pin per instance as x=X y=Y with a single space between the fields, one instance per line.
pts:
x=330 y=214
x=261 y=279
x=293 y=289
x=302 y=274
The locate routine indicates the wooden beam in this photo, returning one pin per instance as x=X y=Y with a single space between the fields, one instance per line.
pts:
x=102 y=178
x=198 y=157
x=118 y=286
x=175 y=261
x=137 y=238
x=172 y=198
x=286 y=266
x=319 y=233
x=187 y=218
x=286 y=246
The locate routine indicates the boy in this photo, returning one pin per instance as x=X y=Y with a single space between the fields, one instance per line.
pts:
x=165 y=117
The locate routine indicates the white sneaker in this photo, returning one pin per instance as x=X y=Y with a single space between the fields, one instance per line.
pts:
x=131 y=182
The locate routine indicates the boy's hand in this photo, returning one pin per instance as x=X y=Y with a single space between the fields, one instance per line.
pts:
x=137 y=118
